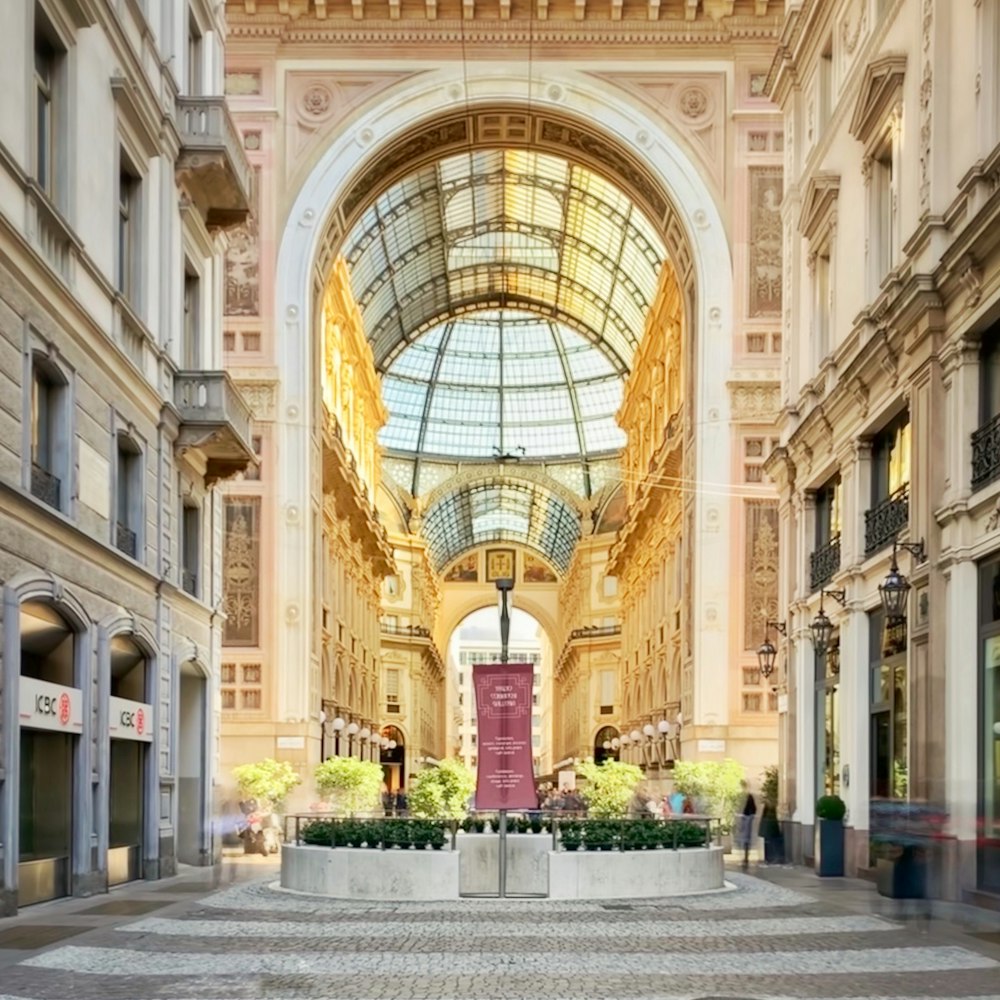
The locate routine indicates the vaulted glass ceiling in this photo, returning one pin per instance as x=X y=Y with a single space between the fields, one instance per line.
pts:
x=492 y=229
x=502 y=383
x=497 y=510
x=504 y=293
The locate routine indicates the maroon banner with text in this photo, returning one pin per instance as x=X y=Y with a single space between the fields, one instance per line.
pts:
x=505 y=776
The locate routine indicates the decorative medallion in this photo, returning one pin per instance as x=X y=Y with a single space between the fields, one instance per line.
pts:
x=316 y=101
x=694 y=103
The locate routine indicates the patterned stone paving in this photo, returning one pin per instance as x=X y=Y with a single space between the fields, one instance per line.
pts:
x=756 y=941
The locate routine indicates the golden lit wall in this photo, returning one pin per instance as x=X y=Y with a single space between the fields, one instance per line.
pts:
x=647 y=555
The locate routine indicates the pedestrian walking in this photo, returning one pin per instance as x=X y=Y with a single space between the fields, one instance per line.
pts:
x=744 y=824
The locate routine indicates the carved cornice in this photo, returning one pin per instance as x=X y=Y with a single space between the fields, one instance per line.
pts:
x=818 y=203
x=880 y=86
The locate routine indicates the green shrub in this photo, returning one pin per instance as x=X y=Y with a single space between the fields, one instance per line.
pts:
x=351 y=785
x=268 y=781
x=715 y=785
x=609 y=786
x=769 y=786
x=320 y=832
x=830 y=807
x=571 y=834
x=443 y=792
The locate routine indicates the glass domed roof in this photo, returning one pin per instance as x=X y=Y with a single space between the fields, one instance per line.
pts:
x=502 y=383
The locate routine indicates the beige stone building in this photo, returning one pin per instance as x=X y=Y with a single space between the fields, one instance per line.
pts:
x=553 y=235
x=120 y=172
x=887 y=436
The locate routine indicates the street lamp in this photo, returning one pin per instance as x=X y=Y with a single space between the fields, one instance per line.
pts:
x=505 y=586
x=338 y=724
x=766 y=653
x=352 y=729
x=895 y=589
x=821 y=626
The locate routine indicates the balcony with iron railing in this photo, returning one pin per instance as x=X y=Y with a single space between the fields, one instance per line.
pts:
x=986 y=453
x=45 y=486
x=216 y=420
x=824 y=561
x=125 y=539
x=887 y=519
x=212 y=166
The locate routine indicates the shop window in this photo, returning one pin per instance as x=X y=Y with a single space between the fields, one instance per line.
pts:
x=128 y=486
x=50 y=435
x=827 y=702
x=988 y=804
x=888 y=752
x=890 y=508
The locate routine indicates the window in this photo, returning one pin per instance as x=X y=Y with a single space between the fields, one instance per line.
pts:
x=824 y=84
x=191 y=344
x=129 y=221
x=888 y=694
x=190 y=548
x=128 y=484
x=822 y=306
x=827 y=701
x=192 y=85
x=49 y=433
x=392 y=687
x=882 y=239
x=49 y=56
x=241 y=686
x=824 y=560
x=985 y=453
x=253 y=473
x=890 y=510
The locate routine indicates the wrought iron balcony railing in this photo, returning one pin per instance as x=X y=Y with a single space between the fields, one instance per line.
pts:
x=887 y=519
x=824 y=561
x=986 y=453
x=125 y=539
x=45 y=486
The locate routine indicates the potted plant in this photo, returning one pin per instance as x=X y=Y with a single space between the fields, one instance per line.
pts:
x=351 y=785
x=571 y=834
x=443 y=791
x=830 y=812
x=770 y=827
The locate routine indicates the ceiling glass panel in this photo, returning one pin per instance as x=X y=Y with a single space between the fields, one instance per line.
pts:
x=501 y=381
x=493 y=511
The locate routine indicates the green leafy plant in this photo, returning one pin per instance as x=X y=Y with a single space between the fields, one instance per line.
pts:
x=830 y=807
x=609 y=786
x=716 y=785
x=350 y=785
x=571 y=834
x=268 y=781
x=769 y=786
x=443 y=792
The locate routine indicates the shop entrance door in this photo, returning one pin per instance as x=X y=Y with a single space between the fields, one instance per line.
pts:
x=125 y=840
x=46 y=818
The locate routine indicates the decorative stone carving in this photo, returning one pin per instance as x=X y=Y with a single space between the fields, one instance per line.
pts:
x=764 y=278
x=926 y=116
x=754 y=401
x=316 y=101
x=761 y=544
x=970 y=275
x=240 y=570
x=260 y=397
x=693 y=103
x=853 y=26
x=242 y=266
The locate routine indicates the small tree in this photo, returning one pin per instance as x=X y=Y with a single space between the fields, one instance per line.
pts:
x=715 y=784
x=443 y=792
x=351 y=785
x=769 y=786
x=609 y=787
x=268 y=781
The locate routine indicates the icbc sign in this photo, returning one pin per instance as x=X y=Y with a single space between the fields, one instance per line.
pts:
x=49 y=706
x=129 y=720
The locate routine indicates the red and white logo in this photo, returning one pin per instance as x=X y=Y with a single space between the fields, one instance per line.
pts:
x=64 y=709
x=140 y=721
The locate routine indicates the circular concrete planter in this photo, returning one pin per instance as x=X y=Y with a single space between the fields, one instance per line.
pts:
x=533 y=867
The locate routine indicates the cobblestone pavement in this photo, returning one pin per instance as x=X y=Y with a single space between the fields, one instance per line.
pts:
x=760 y=939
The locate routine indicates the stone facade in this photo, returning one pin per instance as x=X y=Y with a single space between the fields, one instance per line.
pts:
x=892 y=293
x=120 y=170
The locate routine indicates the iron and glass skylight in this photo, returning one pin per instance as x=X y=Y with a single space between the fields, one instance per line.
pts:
x=502 y=383
x=492 y=229
x=495 y=510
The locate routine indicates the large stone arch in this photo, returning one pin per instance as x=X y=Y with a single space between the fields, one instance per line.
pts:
x=609 y=125
x=455 y=611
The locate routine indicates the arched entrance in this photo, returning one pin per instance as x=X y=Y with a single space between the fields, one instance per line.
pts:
x=606 y=744
x=393 y=759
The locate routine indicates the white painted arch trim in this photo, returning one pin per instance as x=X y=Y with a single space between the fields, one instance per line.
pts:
x=422 y=99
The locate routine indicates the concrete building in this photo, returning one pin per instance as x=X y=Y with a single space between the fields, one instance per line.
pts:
x=119 y=169
x=887 y=449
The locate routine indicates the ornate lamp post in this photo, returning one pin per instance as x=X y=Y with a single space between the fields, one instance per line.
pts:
x=821 y=626
x=505 y=586
x=766 y=652
x=895 y=588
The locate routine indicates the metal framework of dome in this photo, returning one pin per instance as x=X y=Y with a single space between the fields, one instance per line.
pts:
x=504 y=511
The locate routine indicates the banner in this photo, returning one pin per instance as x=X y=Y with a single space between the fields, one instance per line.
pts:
x=505 y=777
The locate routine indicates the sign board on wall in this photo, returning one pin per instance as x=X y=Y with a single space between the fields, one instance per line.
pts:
x=42 y=705
x=505 y=777
x=711 y=746
x=130 y=720
x=291 y=743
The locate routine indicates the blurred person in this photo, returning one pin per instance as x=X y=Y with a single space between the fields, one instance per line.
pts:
x=743 y=827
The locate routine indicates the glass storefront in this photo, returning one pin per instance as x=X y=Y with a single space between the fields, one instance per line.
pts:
x=828 y=719
x=888 y=704
x=989 y=728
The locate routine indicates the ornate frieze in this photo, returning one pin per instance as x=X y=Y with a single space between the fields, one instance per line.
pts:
x=764 y=278
x=757 y=402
